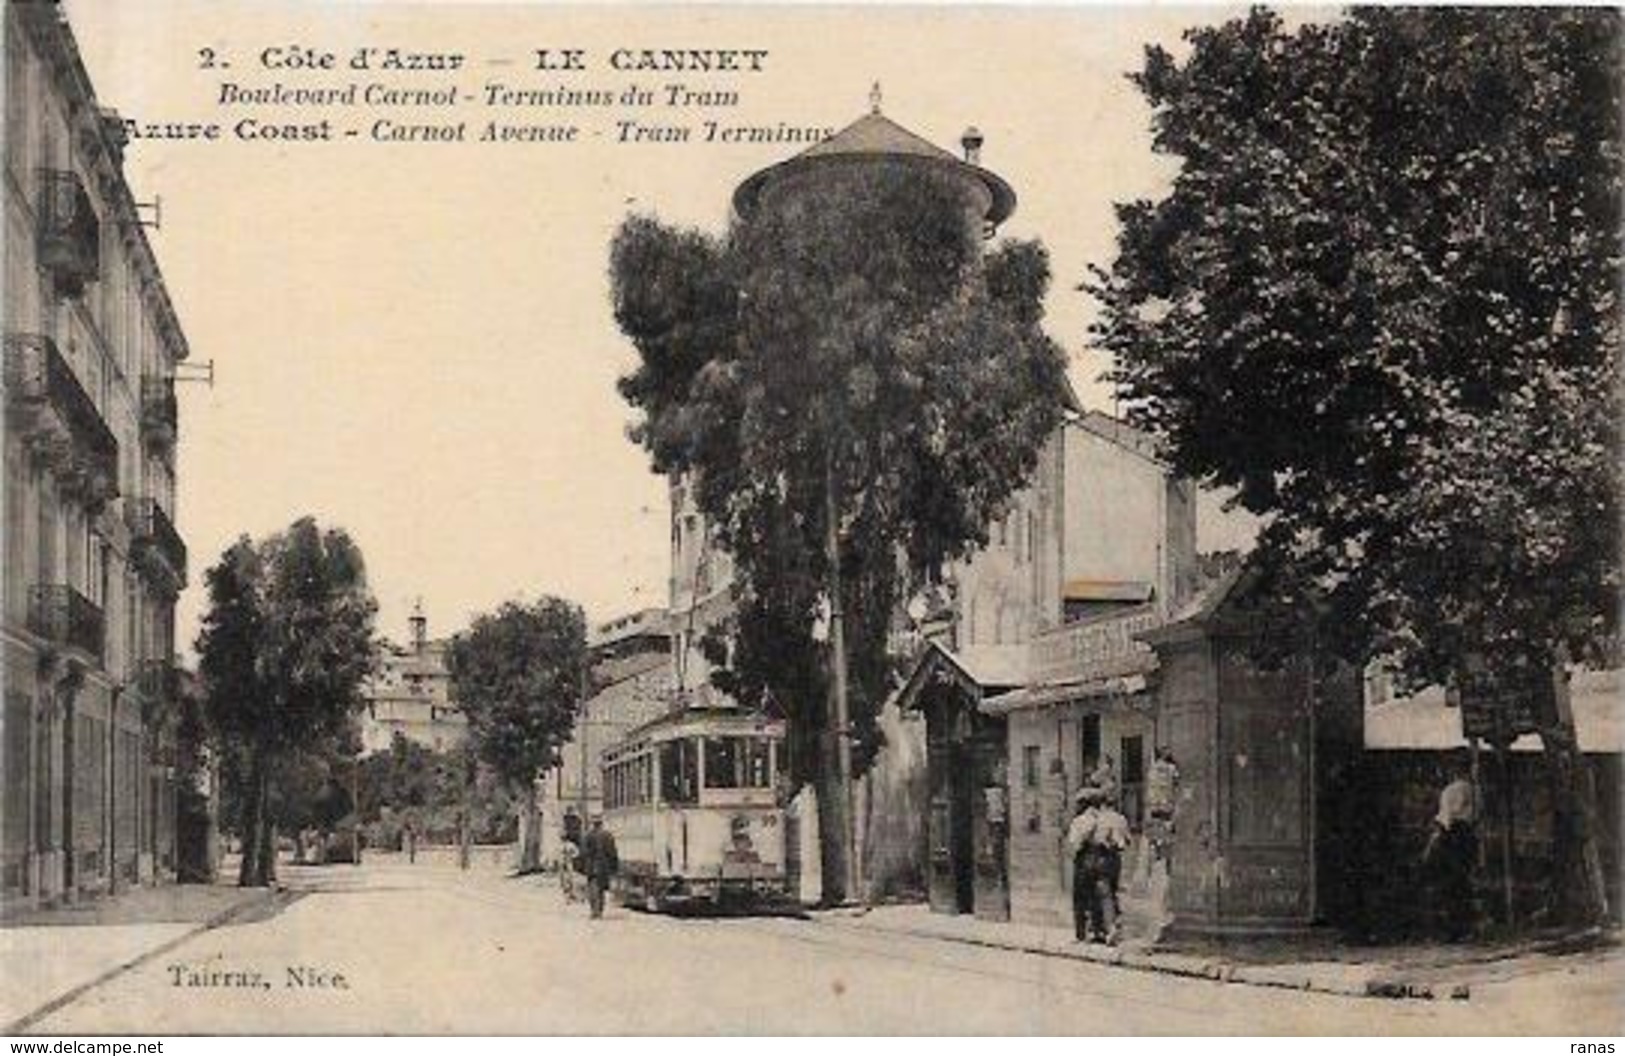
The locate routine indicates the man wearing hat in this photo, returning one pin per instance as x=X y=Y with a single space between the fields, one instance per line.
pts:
x=599 y=862
x=1096 y=840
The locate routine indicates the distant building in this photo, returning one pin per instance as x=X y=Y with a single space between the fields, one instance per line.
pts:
x=411 y=696
x=93 y=561
x=633 y=681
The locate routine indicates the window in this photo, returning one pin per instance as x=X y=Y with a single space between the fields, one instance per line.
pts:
x=679 y=772
x=16 y=550
x=1089 y=743
x=1029 y=766
x=722 y=762
x=755 y=761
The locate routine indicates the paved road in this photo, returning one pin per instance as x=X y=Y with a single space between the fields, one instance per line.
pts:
x=424 y=950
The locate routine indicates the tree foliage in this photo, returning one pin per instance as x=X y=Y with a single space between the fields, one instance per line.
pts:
x=284 y=649
x=847 y=351
x=517 y=675
x=1381 y=301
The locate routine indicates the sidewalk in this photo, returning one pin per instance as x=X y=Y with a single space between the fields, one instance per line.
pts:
x=1415 y=971
x=49 y=956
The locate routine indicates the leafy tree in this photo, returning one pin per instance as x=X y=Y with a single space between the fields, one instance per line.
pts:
x=856 y=392
x=283 y=652
x=1382 y=302
x=519 y=674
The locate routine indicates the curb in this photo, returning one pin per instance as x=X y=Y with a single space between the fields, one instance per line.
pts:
x=1183 y=966
x=77 y=991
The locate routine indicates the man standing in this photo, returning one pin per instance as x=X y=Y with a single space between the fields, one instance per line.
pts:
x=1097 y=838
x=599 y=862
x=1085 y=867
x=1452 y=848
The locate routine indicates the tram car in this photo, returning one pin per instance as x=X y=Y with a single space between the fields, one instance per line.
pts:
x=690 y=799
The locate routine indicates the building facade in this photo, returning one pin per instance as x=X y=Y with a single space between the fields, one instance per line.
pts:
x=1042 y=681
x=93 y=561
x=633 y=680
x=410 y=696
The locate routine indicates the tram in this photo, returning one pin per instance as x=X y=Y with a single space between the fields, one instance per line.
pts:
x=691 y=801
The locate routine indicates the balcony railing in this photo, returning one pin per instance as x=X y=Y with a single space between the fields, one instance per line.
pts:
x=69 y=234
x=62 y=615
x=58 y=419
x=158 y=545
x=159 y=415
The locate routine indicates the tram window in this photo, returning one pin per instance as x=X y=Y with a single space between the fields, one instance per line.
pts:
x=756 y=755
x=679 y=772
x=722 y=762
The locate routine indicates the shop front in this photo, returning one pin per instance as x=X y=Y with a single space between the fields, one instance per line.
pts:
x=1088 y=712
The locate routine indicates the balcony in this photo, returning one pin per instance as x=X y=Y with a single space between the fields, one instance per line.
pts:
x=159 y=683
x=159 y=551
x=58 y=420
x=69 y=234
x=66 y=617
x=159 y=415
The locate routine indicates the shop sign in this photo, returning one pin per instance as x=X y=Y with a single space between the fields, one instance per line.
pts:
x=1093 y=649
x=1502 y=708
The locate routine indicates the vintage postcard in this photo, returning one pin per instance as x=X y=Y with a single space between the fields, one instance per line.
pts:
x=529 y=519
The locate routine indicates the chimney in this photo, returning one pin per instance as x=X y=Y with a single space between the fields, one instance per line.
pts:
x=972 y=142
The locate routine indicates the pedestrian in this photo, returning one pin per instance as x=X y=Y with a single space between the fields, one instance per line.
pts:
x=1451 y=850
x=569 y=865
x=1097 y=837
x=599 y=862
x=1111 y=836
x=1079 y=840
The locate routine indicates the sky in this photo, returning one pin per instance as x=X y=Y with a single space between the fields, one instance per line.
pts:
x=414 y=341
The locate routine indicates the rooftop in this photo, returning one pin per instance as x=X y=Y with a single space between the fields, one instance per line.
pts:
x=875 y=135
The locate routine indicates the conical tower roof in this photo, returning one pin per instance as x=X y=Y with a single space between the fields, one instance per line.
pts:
x=874 y=136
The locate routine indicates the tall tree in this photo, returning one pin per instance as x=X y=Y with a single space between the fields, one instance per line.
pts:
x=856 y=391
x=519 y=675
x=283 y=652
x=1382 y=302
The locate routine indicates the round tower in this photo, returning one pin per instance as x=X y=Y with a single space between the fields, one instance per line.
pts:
x=875 y=141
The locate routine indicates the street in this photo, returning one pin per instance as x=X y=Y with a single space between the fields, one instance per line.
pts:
x=395 y=949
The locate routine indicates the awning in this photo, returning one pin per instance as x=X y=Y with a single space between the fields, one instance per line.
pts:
x=1039 y=696
x=1126 y=590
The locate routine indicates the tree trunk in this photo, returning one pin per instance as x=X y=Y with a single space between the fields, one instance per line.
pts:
x=831 y=842
x=250 y=873
x=530 y=843
x=1579 y=881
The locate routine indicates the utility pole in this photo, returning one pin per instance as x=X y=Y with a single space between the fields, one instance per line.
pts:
x=838 y=688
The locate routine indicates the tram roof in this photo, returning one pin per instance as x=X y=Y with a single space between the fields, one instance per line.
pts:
x=728 y=715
